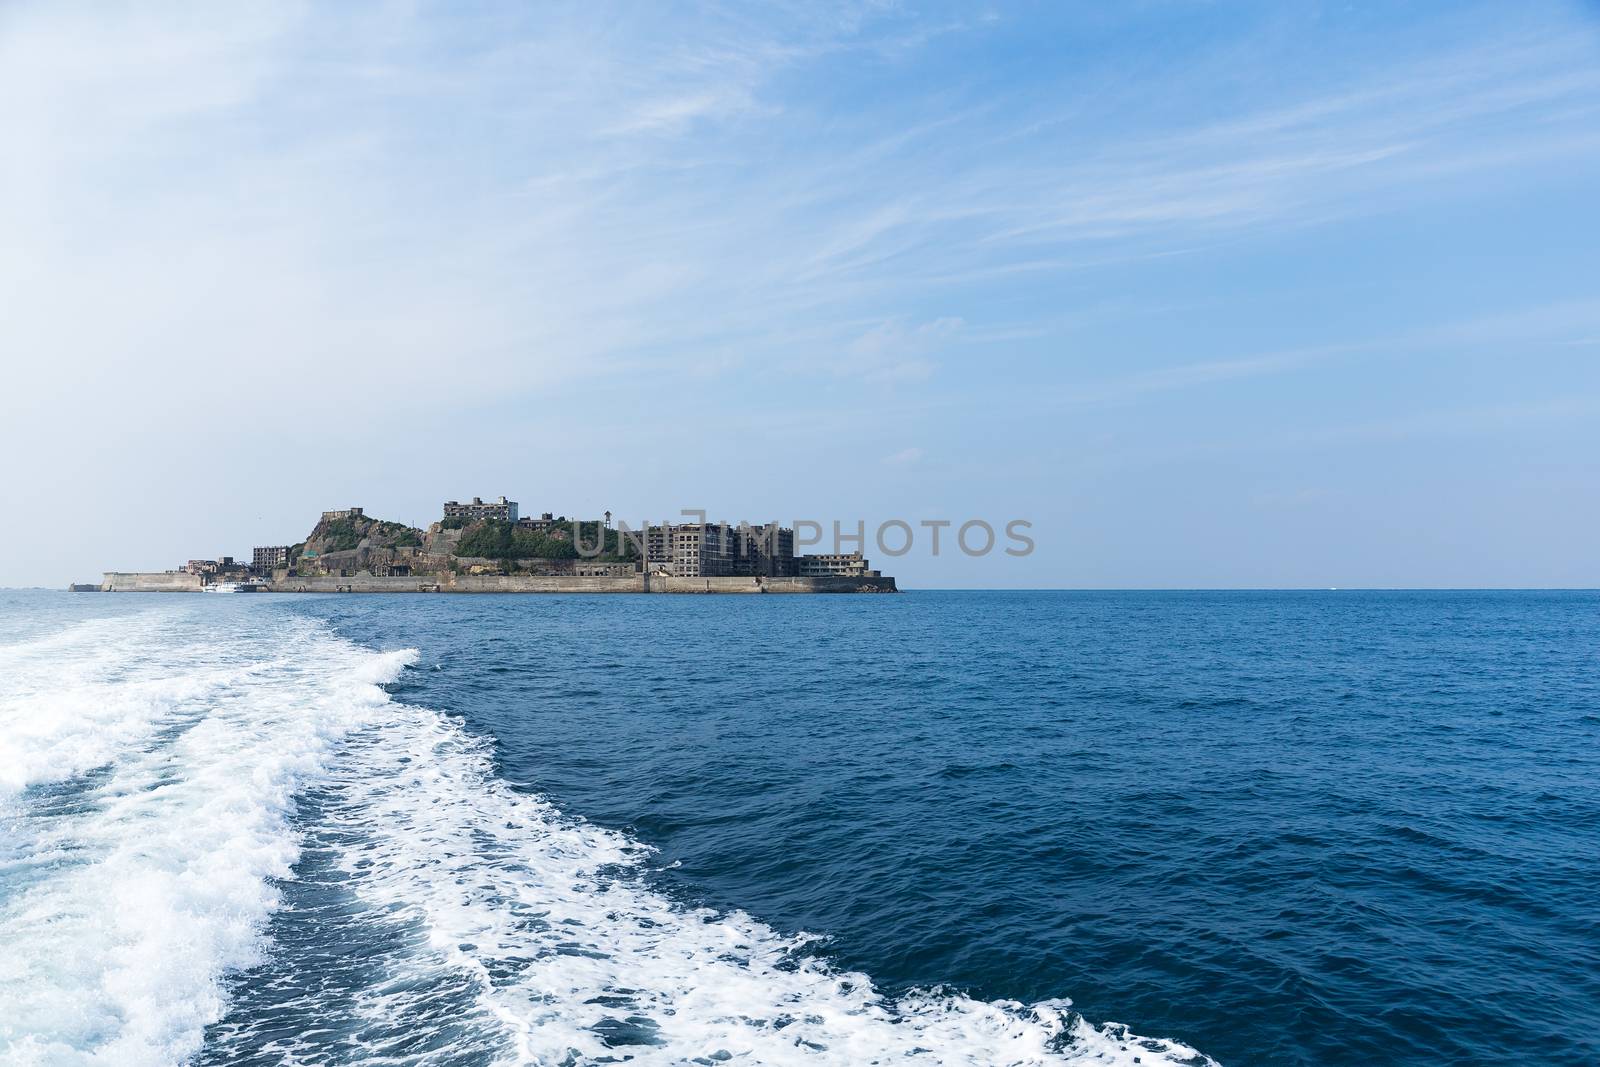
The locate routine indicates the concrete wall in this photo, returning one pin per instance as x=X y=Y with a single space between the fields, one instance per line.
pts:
x=166 y=582
x=529 y=583
x=150 y=582
x=660 y=584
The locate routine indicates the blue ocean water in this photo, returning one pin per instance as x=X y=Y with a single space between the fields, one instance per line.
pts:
x=1266 y=828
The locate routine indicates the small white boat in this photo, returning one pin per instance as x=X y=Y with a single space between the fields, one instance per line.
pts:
x=249 y=585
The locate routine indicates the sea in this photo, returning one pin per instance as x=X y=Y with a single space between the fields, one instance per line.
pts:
x=982 y=828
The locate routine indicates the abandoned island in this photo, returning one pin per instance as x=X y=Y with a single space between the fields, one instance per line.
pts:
x=485 y=546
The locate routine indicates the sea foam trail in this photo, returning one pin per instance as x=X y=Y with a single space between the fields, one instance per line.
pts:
x=80 y=697
x=551 y=922
x=456 y=920
x=147 y=871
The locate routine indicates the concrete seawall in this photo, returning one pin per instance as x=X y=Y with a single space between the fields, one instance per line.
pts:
x=522 y=583
x=150 y=582
x=528 y=583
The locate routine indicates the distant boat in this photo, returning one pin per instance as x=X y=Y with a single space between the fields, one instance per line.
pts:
x=249 y=585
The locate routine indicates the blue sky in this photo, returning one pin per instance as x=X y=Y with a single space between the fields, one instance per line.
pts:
x=1212 y=294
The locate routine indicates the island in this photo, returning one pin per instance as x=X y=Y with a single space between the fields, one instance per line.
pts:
x=485 y=546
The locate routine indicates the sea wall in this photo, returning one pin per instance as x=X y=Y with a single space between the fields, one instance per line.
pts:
x=531 y=583
x=179 y=582
x=835 y=584
x=150 y=582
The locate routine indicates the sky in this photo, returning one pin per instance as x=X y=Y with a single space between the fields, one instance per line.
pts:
x=1210 y=294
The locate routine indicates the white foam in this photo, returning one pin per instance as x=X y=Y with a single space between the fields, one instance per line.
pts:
x=82 y=697
x=158 y=880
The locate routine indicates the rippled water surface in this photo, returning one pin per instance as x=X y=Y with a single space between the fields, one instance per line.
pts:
x=1276 y=828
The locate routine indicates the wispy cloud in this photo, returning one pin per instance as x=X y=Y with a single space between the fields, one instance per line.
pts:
x=1548 y=324
x=898 y=351
x=904 y=458
x=625 y=206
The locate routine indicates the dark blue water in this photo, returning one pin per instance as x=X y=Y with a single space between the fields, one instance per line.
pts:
x=1285 y=828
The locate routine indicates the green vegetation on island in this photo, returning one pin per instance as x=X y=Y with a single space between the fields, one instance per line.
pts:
x=499 y=539
x=350 y=541
x=346 y=531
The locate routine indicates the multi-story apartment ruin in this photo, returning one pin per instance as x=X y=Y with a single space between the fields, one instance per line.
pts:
x=264 y=559
x=716 y=550
x=208 y=567
x=478 y=508
x=846 y=564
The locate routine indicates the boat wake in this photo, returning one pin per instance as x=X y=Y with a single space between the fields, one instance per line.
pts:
x=224 y=842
